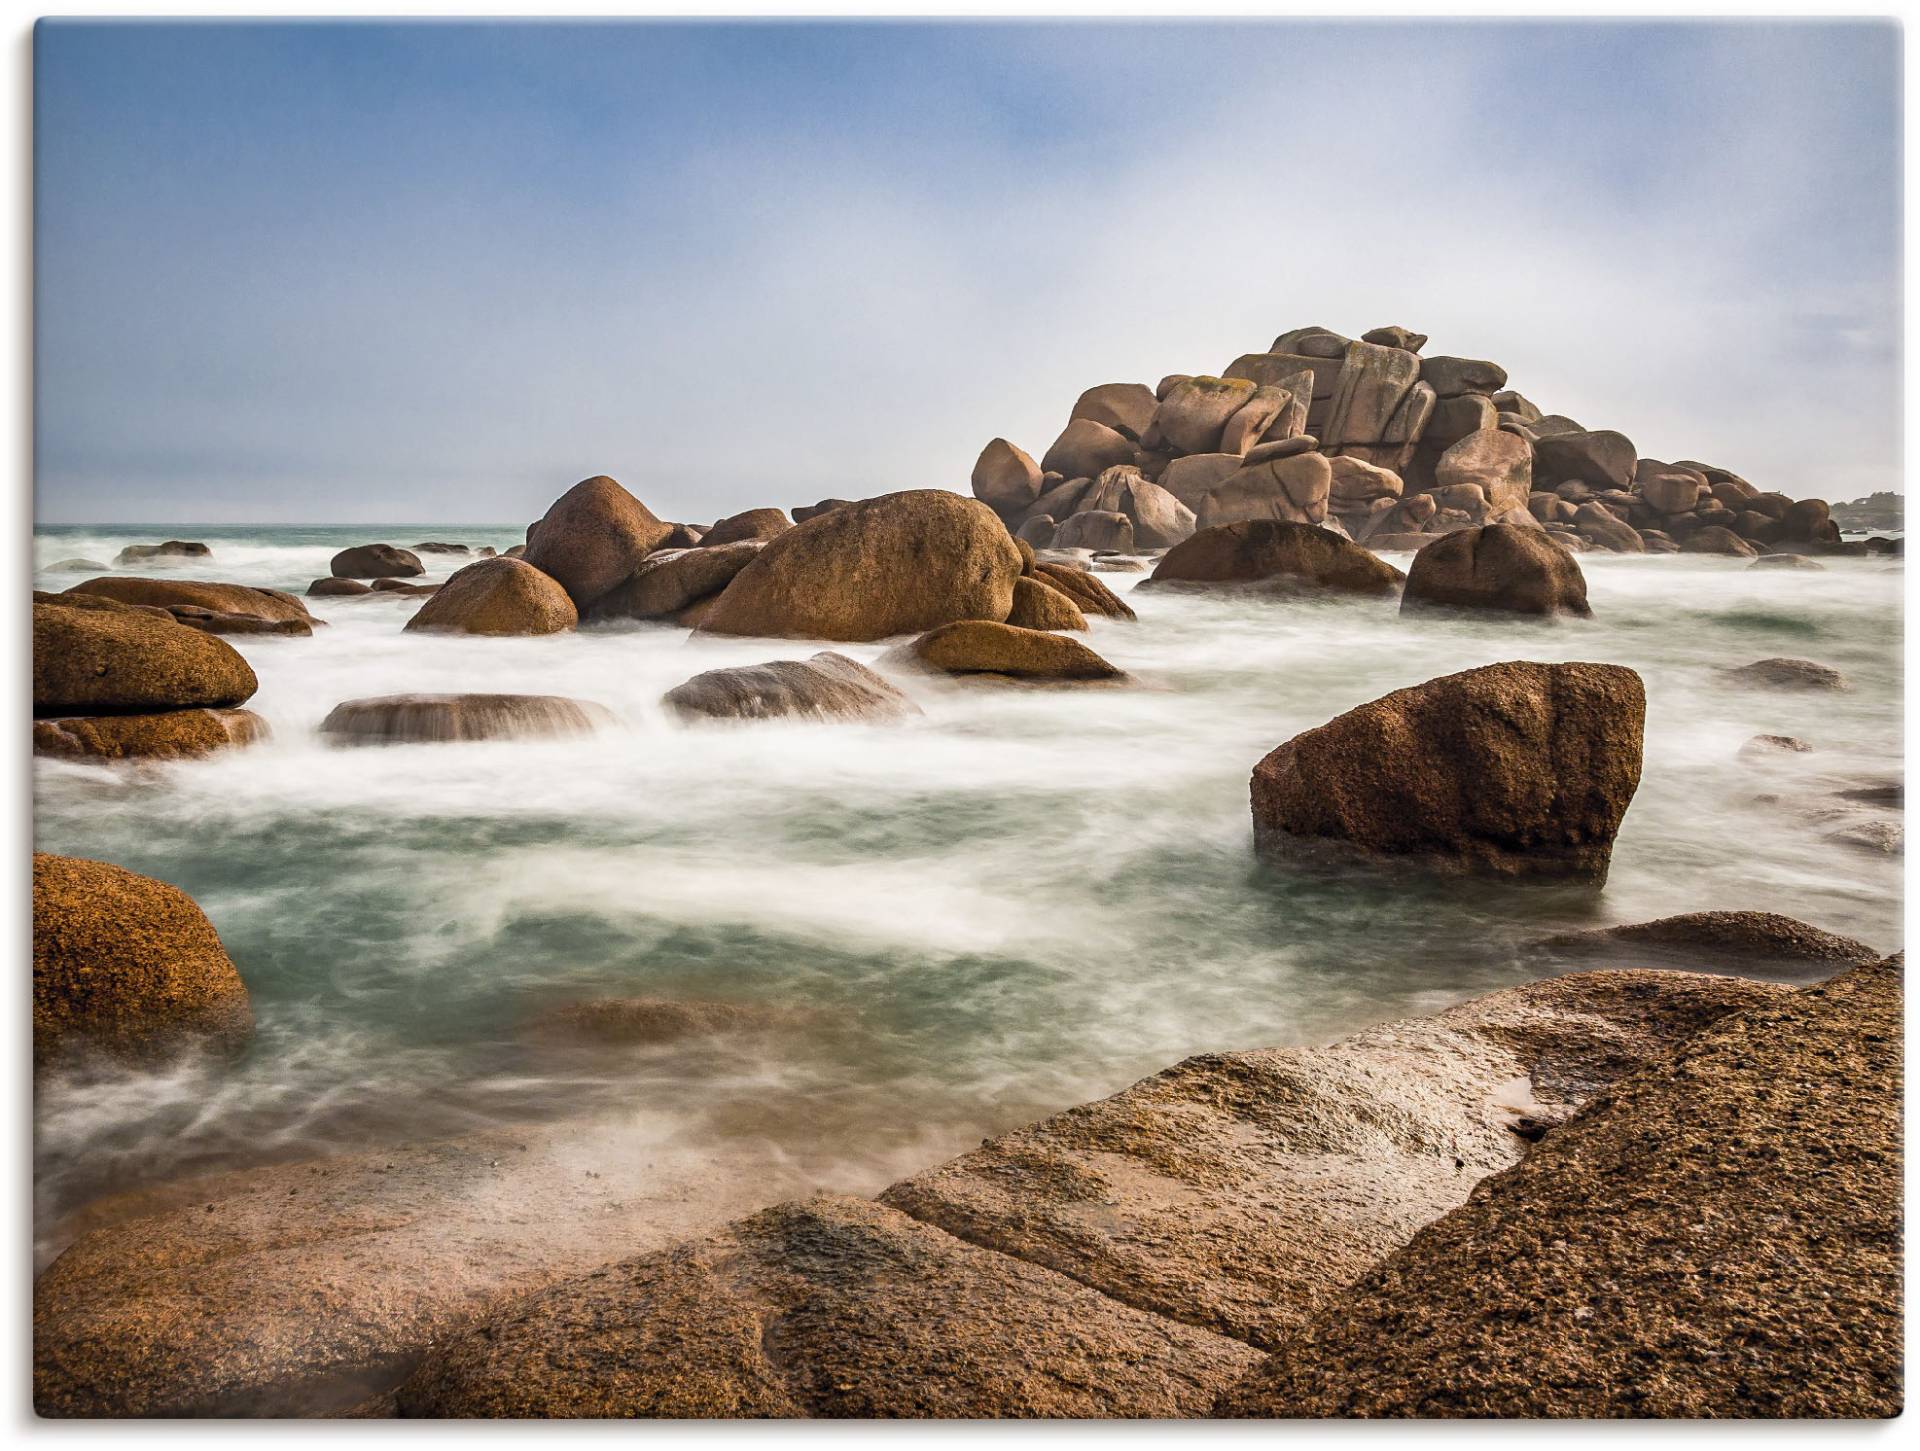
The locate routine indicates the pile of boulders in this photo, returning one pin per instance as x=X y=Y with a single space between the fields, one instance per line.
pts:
x=1367 y=438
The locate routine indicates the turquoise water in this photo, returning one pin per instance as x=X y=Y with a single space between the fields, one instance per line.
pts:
x=1021 y=901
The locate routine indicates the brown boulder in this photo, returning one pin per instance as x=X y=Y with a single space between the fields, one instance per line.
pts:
x=218 y=622
x=92 y=660
x=162 y=735
x=1668 y=488
x=1712 y=539
x=1600 y=525
x=827 y=687
x=1272 y=553
x=172 y=549
x=1806 y=520
x=400 y=719
x=1499 y=463
x=1099 y=529
x=888 y=566
x=1451 y=376
x=334 y=585
x=1293 y=490
x=1194 y=413
x=499 y=596
x=1497 y=567
x=1005 y=478
x=593 y=537
x=1515 y=769
x=167 y=594
x=1085 y=589
x=1782 y=673
x=1726 y=942
x=1037 y=605
x=1126 y=408
x=667 y=581
x=1601 y=459
x=1085 y=449
x=1158 y=519
x=754 y=524
x=1193 y=476
x=1395 y=337
x=126 y=965
x=376 y=561
x=981 y=647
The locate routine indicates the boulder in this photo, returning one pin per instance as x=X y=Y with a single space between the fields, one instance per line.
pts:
x=334 y=585
x=1668 y=488
x=1602 y=459
x=1736 y=943
x=593 y=537
x=667 y=581
x=1085 y=589
x=168 y=594
x=1126 y=408
x=636 y=1022
x=1193 y=476
x=1005 y=479
x=888 y=566
x=1717 y=1236
x=827 y=687
x=1356 y=484
x=1780 y=673
x=1552 y=425
x=1549 y=508
x=1712 y=539
x=162 y=553
x=219 y=622
x=1454 y=419
x=1317 y=342
x=126 y=966
x=1806 y=520
x=1759 y=748
x=1194 y=414
x=1274 y=553
x=1395 y=337
x=1292 y=490
x=74 y=566
x=162 y=735
x=1449 y=377
x=408 y=719
x=1101 y=529
x=1500 y=463
x=1496 y=568
x=981 y=647
x=1158 y=519
x=1517 y=404
x=1036 y=532
x=1274 y=448
x=500 y=596
x=1060 y=499
x=1086 y=449
x=433 y=547
x=376 y=561
x=1600 y=525
x=103 y=658
x=1168 y=384
x=1269 y=406
x=1517 y=769
x=1786 y=561
x=401 y=587
x=1037 y=605
x=755 y=525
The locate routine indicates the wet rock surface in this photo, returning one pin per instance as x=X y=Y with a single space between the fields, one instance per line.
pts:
x=403 y=719
x=828 y=686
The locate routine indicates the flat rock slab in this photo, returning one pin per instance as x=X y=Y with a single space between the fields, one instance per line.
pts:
x=1235 y=1192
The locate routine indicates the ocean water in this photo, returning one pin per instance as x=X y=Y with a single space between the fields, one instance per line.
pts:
x=1026 y=899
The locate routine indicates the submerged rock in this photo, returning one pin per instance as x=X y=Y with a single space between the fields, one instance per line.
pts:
x=1767 y=747
x=501 y=596
x=397 y=719
x=127 y=966
x=1497 y=567
x=334 y=585
x=149 y=736
x=1729 y=942
x=376 y=561
x=650 y=1022
x=103 y=657
x=1272 y=552
x=197 y=594
x=172 y=549
x=827 y=687
x=1781 y=673
x=1516 y=769
x=980 y=647
x=593 y=536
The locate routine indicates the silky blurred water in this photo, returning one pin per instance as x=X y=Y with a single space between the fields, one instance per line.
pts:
x=1025 y=899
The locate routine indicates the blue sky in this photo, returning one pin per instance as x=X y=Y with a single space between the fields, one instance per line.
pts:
x=346 y=272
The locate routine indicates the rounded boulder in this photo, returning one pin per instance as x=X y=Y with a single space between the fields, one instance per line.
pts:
x=499 y=596
x=1496 y=567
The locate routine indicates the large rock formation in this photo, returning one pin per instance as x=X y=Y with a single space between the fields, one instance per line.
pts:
x=1516 y=769
x=1275 y=554
x=1497 y=567
x=592 y=537
x=500 y=596
x=827 y=687
x=894 y=565
x=397 y=719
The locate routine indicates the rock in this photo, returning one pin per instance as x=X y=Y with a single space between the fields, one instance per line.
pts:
x=1318 y=342
x=74 y=566
x=1036 y=532
x=1496 y=568
x=1269 y=408
x=1194 y=413
x=333 y=585
x=1037 y=605
x=888 y=566
x=1356 y=484
x=1192 y=477
x=593 y=537
x=172 y=549
x=1454 y=419
x=1395 y=337
x=90 y=660
x=1085 y=589
x=1274 y=448
x=981 y=647
x=1095 y=529
x=754 y=525
x=1553 y=424
x=1168 y=384
x=386 y=720
x=1126 y=408
x=1603 y=459
x=1741 y=943
x=441 y=548
x=648 y=1022
x=827 y=687
x=1377 y=402
x=1780 y=673
x=1005 y=478
x=1806 y=520
x=1517 y=404
x=1086 y=449
x=833 y=1307
x=514 y=551
x=1600 y=525
x=376 y=561
x=1235 y=1192
x=1668 y=488
x=1786 y=561
x=1514 y=769
x=218 y=622
x=163 y=735
x=1763 y=747
x=1292 y=490
x=1718 y=1235
x=1449 y=377
x=1272 y=553
x=401 y=587
x=1501 y=464
x=667 y=581
x=1883 y=838
x=1158 y=519
x=1060 y=500
x=1712 y=539
x=168 y=594
x=1549 y=508
x=501 y=596
x=126 y=966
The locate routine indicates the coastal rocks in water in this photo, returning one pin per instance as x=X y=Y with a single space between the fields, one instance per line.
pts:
x=172 y=549
x=650 y=1022
x=1714 y=539
x=593 y=537
x=1758 y=748
x=894 y=565
x=1236 y=1192
x=401 y=587
x=667 y=581
x=1516 y=769
x=831 y=1307
x=1781 y=673
x=1497 y=567
x=127 y=966
x=1273 y=553
x=1098 y=529
x=500 y=596
x=440 y=547
x=160 y=735
x=754 y=524
x=1085 y=450
x=197 y=594
x=1718 y=1235
x=827 y=687
x=89 y=659
x=1296 y=490
x=1786 y=561
x=74 y=566
x=1005 y=479
x=980 y=647
x=397 y=719
x=220 y=622
x=1086 y=589
x=376 y=561
x=1037 y=605
x=1601 y=459
x=1156 y=518
x=1729 y=942
x=334 y=585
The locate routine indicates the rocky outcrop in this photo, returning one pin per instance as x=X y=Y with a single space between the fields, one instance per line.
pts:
x=669 y=580
x=1718 y=1235
x=1100 y=530
x=593 y=537
x=754 y=525
x=827 y=687
x=1496 y=567
x=1730 y=942
x=1519 y=769
x=980 y=647
x=196 y=594
x=97 y=657
x=376 y=561
x=1038 y=605
x=501 y=596
x=1274 y=554
x=1155 y=518
x=1085 y=589
x=126 y=966
x=171 y=550
x=163 y=735
x=1293 y=490
x=399 y=719
x=894 y=565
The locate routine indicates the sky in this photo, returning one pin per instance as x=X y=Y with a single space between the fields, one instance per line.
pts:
x=353 y=272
